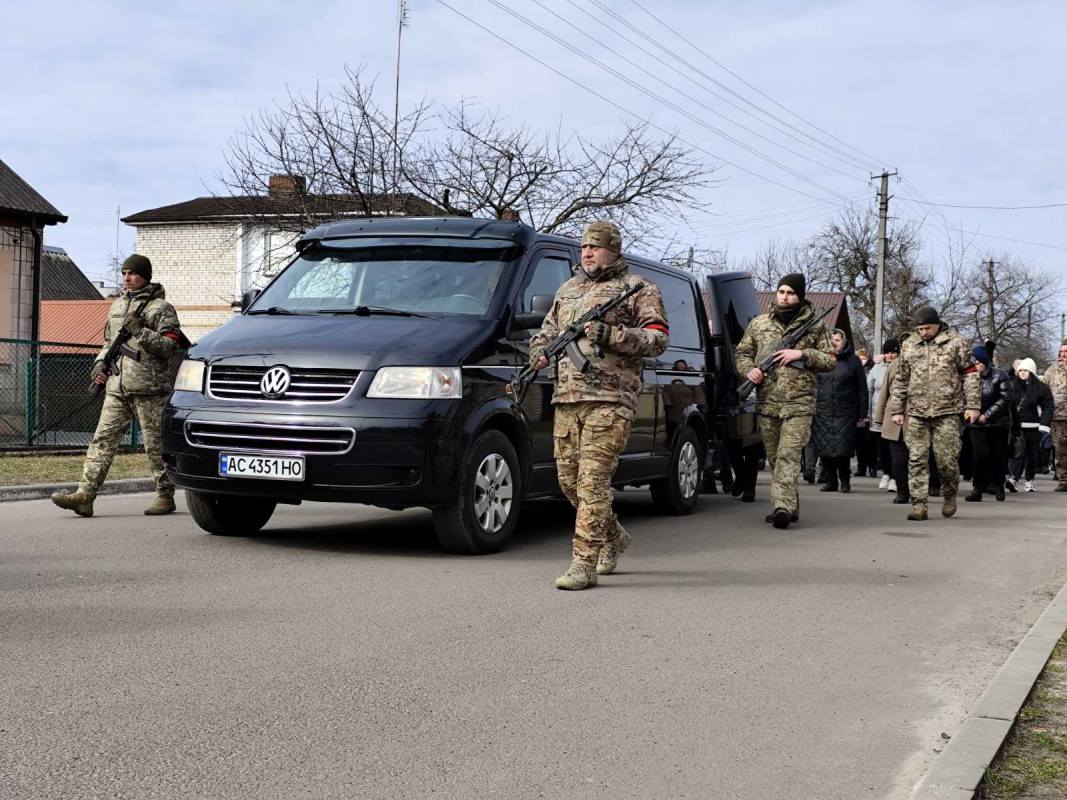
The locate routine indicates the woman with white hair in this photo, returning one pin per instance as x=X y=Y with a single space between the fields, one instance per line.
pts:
x=1033 y=416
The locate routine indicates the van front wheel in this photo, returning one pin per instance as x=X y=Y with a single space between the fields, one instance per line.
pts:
x=482 y=516
x=228 y=515
x=677 y=493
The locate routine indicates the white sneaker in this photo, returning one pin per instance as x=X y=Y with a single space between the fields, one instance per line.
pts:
x=892 y=485
x=1030 y=486
x=884 y=483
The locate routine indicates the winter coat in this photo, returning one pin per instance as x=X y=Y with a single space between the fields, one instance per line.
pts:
x=640 y=330
x=157 y=343
x=791 y=390
x=875 y=379
x=996 y=398
x=936 y=377
x=1056 y=381
x=890 y=430
x=1033 y=404
x=842 y=402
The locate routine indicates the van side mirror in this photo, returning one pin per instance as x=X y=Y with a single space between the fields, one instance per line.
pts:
x=540 y=305
x=248 y=298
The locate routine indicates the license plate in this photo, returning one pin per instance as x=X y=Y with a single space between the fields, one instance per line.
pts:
x=272 y=468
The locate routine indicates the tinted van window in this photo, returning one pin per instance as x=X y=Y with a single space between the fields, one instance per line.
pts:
x=679 y=302
x=550 y=272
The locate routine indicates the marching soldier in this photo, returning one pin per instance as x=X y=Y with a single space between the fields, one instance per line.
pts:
x=936 y=380
x=594 y=410
x=1056 y=380
x=137 y=386
x=786 y=401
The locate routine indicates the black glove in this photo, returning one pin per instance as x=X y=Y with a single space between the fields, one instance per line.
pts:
x=600 y=333
x=134 y=324
x=98 y=369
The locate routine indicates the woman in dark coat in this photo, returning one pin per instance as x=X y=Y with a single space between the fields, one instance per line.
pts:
x=989 y=435
x=1033 y=405
x=841 y=403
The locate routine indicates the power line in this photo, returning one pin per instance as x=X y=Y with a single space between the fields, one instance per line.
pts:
x=622 y=108
x=873 y=161
x=990 y=208
x=674 y=107
x=818 y=146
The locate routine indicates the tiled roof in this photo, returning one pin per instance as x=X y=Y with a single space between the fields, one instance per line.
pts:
x=322 y=205
x=822 y=301
x=61 y=279
x=20 y=199
x=74 y=321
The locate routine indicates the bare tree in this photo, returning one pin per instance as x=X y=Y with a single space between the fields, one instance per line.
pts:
x=1013 y=304
x=777 y=257
x=338 y=149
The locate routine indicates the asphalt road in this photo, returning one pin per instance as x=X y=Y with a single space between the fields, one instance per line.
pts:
x=340 y=654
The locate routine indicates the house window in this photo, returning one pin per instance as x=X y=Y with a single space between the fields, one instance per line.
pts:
x=280 y=250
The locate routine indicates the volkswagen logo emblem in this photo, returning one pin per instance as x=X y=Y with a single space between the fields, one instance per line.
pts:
x=275 y=383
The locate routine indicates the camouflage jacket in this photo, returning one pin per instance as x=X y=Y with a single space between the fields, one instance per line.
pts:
x=935 y=378
x=791 y=390
x=157 y=344
x=1056 y=380
x=641 y=330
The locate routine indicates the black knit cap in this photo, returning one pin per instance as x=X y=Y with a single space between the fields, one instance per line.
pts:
x=927 y=315
x=139 y=265
x=796 y=282
x=890 y=346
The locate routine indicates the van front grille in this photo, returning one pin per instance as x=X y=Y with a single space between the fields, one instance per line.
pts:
x=265 y=438
x=305 y=386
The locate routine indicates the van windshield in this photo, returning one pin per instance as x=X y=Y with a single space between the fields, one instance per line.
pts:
x=415 y=275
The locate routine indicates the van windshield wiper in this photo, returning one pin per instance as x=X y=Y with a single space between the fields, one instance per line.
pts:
x=366 y=311
x=273 y=310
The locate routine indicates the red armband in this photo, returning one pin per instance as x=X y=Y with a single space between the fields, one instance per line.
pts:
x=173 y=336
x=969 y=370
x=656 y=326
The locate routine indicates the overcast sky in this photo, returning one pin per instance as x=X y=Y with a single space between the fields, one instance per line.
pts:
x=114 y=104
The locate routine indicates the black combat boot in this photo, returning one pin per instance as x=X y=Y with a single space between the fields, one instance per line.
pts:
x=831 y=486
x=846 y=485
x=975 y=496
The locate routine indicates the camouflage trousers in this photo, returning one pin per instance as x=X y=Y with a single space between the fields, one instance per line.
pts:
x=588 y=440
x=942 y=436
x=1059 y=441
x=784 y=440
x=115 y=417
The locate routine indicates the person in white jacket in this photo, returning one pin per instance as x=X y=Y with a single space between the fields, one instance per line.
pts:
x=875 y=379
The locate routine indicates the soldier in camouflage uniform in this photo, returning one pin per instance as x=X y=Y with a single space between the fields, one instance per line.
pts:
x=137 y=386
x=936 y=380
x=594 y=411
x=1056 y=380
x=786 y=400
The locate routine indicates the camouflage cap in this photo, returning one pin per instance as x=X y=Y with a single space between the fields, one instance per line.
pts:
x=603 y=234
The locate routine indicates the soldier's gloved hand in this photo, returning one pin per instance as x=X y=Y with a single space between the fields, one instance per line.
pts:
x=599 y=333
x=99 y=374
x=134 y=324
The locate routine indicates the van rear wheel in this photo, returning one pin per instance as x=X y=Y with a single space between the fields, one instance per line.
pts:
x=228 y=515
x=677 y=493
x=482 y=516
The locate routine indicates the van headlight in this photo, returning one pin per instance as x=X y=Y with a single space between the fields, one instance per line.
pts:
x=190 y=377
x=417 y=383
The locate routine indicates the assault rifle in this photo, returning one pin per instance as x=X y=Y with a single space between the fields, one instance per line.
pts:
x=567 y=343
x=119 y=347
x=768 y=366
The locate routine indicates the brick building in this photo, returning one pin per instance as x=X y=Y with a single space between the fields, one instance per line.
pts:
x=209 y=251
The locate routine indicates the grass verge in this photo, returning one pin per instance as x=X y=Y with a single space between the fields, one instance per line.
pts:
x=23 y=470
x=1032 y=765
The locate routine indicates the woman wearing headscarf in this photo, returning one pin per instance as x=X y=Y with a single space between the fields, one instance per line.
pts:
x=841 y=403
x=989 y=435
x=1033 y=416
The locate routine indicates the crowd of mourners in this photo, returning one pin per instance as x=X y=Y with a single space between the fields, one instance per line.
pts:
x=1002 y=452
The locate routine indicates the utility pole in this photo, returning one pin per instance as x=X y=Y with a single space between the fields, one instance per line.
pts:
x=992 y=298
x=689 y=260
x=1063 y=327
x=879 y=284
x=401 y=20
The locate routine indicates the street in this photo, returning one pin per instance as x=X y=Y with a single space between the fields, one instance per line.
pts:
x=341 y=654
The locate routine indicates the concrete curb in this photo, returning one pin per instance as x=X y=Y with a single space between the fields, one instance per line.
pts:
x=962 y=764
x=36 y=491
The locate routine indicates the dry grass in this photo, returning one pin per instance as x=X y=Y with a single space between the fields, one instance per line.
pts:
x=23 y=470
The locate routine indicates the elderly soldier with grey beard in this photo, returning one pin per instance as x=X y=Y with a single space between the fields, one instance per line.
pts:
x=786 y=399
x=594 y=409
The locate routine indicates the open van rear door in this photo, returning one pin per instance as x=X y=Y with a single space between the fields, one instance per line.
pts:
x=731 y=303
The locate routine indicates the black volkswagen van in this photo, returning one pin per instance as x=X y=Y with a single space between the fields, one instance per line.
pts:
x=373 y=370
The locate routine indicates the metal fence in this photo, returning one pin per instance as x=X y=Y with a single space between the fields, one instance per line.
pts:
x=44 y=396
